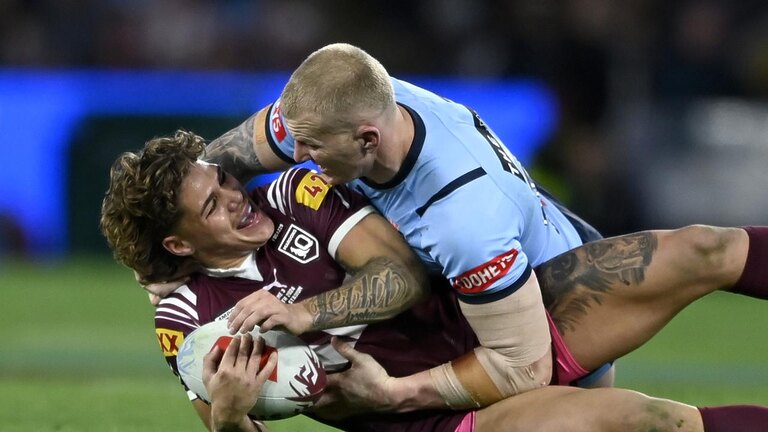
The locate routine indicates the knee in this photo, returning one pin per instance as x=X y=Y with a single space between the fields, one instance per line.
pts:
x=646 y=413
x=708 y=250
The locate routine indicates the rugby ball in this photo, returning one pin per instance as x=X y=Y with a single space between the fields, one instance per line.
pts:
x=294 y=386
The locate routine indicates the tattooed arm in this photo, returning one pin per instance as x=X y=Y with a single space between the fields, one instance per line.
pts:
x=244 y=151
x=387 y=279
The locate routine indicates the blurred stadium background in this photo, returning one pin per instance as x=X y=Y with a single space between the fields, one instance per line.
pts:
x=638 y=114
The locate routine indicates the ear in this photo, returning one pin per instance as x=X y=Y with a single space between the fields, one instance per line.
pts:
x=371 y=137
x=175 y=245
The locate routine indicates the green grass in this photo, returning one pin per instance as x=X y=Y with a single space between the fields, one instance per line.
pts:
x=79 y=354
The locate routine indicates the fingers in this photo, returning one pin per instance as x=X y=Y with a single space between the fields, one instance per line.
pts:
x=153 y=299
x=269 y=324
x=230 y=354
x=247 y=313
x=243 y=351
x=211 y=363
x=253 y=310
x=344 y=349
x=265 y=371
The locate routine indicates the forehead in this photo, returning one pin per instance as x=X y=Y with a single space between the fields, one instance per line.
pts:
x=198 y=182
x=200 y=170
x=304 y=128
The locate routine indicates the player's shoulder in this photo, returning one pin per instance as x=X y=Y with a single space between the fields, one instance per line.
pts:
x=298 y=188
x=177 y=313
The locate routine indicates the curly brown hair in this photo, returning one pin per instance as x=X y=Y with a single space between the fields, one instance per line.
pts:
x=141 y=206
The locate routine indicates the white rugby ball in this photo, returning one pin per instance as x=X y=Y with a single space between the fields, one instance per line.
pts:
x=294 y=386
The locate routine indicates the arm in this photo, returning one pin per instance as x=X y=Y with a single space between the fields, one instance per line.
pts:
x=463 y=383
x=244 y=151
x=387 y=279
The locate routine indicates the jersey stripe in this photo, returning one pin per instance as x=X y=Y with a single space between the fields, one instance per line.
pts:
x=271 y=139
x=166 y=310
x=187 y=293
x=344 y=228
x=450 y=187
x=274 y=196
x=175 y=301
x=193 y=326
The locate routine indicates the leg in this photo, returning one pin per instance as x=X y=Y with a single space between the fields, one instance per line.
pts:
x=611 y=296
x=557 y=409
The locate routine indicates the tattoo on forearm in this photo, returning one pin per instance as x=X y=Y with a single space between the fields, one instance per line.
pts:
x=572 y=282
x=380 y=290
x=235 y=153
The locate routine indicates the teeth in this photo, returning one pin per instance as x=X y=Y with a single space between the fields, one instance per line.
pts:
x=246 y=215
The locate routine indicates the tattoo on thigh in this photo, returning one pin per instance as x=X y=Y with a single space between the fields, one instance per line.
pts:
x=574 y=281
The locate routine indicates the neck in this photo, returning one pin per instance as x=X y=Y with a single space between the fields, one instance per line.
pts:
x=217 y=262
x=396 y=141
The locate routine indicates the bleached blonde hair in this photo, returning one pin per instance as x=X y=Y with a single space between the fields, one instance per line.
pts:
x=337 y=86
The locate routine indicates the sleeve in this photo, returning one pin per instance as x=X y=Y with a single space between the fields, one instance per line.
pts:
x=329 y=212
x=278 y=137
x=483 y=258
x=175 y=318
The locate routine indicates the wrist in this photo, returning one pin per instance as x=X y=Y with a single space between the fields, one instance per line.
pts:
x=308 y=320
x=227 y=420
x=415 y=392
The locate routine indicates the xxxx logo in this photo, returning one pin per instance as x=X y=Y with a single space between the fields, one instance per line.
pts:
x=170 y=341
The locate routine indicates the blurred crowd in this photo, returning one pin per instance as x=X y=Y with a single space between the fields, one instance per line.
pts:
x=600 y=56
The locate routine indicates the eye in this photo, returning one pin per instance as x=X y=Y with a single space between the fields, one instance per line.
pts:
x=214 y=205
x=310 y=145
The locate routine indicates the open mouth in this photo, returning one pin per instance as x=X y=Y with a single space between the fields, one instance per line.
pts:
x=248 y=218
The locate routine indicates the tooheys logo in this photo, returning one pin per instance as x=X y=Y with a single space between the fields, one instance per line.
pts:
x=483 y=276
x=276 y=123
x=170 y=341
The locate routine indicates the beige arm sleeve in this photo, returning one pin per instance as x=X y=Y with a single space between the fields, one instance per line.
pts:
x=514 y=356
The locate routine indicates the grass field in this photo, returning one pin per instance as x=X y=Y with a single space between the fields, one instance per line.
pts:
x=79 y=354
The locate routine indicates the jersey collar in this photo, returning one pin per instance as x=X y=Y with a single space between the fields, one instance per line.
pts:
x=246 y=270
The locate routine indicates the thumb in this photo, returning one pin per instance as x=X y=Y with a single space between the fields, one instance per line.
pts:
x=345 y=349
x=211 y=362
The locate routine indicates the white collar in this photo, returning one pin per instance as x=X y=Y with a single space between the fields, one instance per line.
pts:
x=246 y=270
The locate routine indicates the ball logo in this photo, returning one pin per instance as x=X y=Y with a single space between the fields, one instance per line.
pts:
x=299 y=245
x=223 y=342
x=185 y=360
x=312 y=382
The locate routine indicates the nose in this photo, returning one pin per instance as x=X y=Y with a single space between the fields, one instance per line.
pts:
x=234 y=199
x=301 y=152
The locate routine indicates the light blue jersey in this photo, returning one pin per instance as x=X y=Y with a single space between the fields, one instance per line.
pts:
x=461 y=199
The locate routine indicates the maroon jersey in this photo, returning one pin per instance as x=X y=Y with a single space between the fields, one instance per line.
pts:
x=311 y=218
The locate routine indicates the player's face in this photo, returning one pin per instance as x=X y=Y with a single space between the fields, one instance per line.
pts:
x=341 y=157
x=220 y=223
